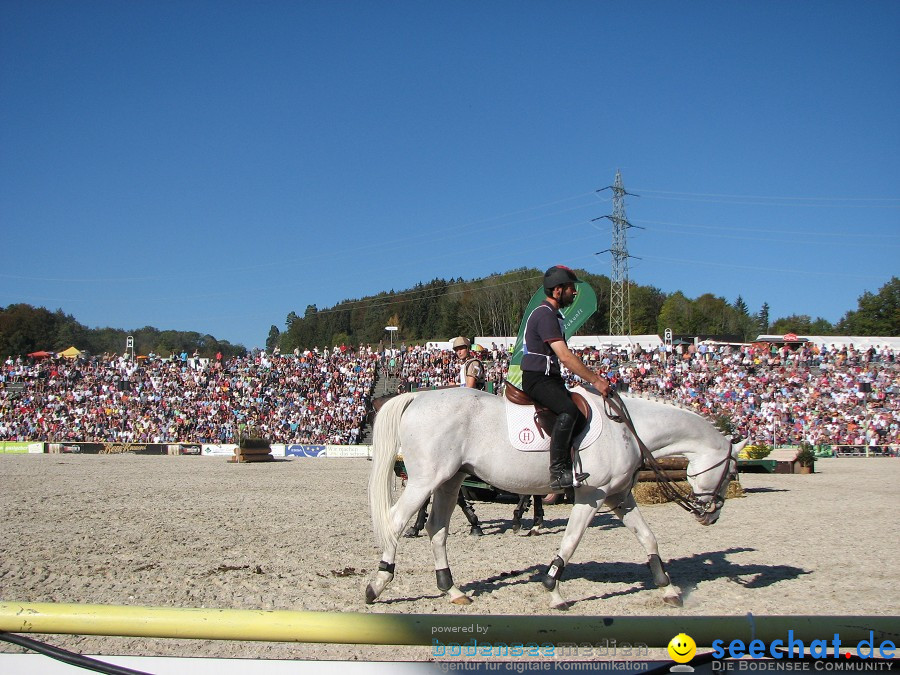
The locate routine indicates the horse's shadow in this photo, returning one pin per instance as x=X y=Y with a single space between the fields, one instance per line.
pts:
x=757 y=490
x=602 y=521
x=686 y=572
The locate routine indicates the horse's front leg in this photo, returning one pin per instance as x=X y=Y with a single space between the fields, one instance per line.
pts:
x=632 y=518
x=438 y=526
x=587 y=501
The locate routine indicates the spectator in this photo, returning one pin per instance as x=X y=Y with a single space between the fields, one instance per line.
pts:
x=819 y=394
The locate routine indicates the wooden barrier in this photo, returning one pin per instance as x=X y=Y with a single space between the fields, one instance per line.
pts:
x=254 y=450
x=673 y=467
x=648 y=476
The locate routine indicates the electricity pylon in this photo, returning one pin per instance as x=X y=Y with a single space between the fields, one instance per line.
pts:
x=620 y=296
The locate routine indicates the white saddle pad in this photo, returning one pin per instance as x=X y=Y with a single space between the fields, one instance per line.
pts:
x=524 y=433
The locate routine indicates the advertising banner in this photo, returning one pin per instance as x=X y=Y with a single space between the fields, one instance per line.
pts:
x=215 y=450
x=193 y=449
x=119 y=448
x=304 y=450
x=348 y=451
x=15 y=447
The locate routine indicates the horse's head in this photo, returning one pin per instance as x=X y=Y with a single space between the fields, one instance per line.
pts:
x=709 y=481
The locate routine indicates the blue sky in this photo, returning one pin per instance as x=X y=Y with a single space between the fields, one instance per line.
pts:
x=213 y=166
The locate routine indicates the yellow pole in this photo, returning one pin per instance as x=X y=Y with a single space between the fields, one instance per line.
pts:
x=430 y=629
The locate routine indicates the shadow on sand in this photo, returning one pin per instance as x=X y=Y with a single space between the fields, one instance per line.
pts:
x=685 y=572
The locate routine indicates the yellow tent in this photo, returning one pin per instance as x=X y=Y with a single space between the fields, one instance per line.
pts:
x=70 y=353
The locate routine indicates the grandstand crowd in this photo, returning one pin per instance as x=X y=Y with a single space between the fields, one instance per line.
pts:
x=819 y=394
x=311 y=398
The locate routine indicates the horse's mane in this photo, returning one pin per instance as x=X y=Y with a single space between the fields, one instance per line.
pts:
x=647 y=396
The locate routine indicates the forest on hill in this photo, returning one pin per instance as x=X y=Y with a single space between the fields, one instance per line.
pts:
x=493 y=305
x=25 y=329
x=441 y=309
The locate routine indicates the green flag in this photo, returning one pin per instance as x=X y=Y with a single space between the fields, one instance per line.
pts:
x=574 y=317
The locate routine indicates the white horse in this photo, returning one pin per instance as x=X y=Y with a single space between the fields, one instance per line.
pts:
x=448 y=433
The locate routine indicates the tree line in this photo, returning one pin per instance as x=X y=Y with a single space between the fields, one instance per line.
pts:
x=443 y=308
x=25 y=329
x=493 y=305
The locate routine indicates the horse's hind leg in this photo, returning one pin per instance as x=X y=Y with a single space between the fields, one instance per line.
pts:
x=519 y=511
x=538 y=512
x=632 y=518
x=410 y=501
x=438 y=525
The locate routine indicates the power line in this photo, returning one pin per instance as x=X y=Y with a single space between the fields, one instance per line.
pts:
x=770 y=197
x=817 y=233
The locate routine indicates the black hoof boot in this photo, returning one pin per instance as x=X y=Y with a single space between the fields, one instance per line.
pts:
x=554 y=572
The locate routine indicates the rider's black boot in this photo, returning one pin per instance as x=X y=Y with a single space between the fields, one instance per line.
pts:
x=560 y=454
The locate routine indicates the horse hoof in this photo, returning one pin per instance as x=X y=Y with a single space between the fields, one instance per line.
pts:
x=526 y=533
x=673 y=600
x=476 y=531
x=462 y=600
x=371 y=595
x=562 y=605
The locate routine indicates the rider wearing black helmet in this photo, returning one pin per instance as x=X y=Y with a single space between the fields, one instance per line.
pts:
x=545 y=349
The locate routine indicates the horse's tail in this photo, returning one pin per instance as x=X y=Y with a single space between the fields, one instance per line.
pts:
x=385 y=448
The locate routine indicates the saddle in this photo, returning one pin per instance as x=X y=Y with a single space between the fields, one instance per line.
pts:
x=544 y=418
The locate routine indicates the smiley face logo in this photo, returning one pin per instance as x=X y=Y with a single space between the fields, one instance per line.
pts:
x=682 y=648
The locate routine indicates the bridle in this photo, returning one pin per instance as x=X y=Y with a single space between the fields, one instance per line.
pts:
x=691 y=502
x=716 y=500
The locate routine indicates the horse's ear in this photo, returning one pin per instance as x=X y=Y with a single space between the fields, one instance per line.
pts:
x=737 y=447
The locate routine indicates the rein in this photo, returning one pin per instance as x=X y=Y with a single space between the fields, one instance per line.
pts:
x=617 y=412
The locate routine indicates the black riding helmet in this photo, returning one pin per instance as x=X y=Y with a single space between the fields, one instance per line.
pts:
x=557 y=276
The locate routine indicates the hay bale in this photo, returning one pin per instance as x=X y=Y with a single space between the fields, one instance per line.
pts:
x=651 y=493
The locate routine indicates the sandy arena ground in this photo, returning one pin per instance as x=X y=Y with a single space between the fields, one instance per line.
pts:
x=295 y=534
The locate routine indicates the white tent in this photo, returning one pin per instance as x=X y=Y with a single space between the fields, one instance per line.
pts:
x=628 y=342
x=647 y=342
x=488 y=341
x=438 y=344
x=859 y=343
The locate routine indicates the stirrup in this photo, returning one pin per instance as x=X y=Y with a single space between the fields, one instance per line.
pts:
x=565 y=480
